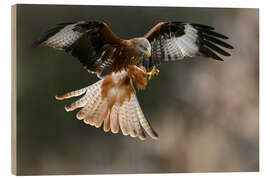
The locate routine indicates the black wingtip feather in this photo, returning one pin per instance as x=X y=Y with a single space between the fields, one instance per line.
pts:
x=46 y=35
x=201 y=26
x=217 y=41
x=209 y=53
x=208 y=41
x=36 y=43
x=65 y=24
x=216 y=48
x=213 y=33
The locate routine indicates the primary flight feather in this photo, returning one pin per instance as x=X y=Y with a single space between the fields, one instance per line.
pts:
x=118 y=63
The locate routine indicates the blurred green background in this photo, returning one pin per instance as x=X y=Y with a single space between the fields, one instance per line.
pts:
x=205 y=112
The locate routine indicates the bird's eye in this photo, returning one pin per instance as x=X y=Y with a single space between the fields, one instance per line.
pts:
x=143 y=48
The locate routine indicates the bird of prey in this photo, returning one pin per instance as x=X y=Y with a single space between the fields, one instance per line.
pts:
x=118 y=63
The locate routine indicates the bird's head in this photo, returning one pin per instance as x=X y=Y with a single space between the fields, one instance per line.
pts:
x=143 y=46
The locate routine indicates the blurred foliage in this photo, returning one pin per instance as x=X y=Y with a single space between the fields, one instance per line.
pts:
x=205 y=111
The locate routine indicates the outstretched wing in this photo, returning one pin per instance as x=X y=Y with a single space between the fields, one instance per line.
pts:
x=176 y=40
x=89 y=41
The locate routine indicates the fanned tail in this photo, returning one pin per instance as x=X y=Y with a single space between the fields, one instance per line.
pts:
x=96 y=110
x=132 y=120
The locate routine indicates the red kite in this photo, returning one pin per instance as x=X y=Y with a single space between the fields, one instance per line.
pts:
x=118 y=63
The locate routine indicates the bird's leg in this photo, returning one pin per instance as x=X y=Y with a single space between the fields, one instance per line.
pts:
x=138 y=75
x=153 y=72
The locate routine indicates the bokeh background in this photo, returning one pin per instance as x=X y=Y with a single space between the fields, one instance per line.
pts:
x=206 y=112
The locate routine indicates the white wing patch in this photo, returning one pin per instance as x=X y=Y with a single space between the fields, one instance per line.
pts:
x=64 y=38
x=187 y=42
x=176 y=48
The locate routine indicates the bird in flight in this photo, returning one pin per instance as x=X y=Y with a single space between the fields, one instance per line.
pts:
x=119 y=63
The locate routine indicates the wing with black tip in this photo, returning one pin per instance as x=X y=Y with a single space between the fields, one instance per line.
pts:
x=176 y=40
x=89 y=41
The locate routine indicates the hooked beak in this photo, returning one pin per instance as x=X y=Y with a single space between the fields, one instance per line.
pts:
x=147 y=53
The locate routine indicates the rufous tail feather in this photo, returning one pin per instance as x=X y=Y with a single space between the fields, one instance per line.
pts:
x=95 y=111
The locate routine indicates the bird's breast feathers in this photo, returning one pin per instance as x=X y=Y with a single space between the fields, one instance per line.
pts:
x=118 y=85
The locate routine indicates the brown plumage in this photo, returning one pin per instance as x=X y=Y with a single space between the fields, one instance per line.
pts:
x=112 y=100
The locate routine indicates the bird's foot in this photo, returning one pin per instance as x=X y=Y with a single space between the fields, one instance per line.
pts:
x=153 y=72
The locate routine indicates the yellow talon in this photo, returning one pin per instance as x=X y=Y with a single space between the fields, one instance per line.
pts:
x=153 y=72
